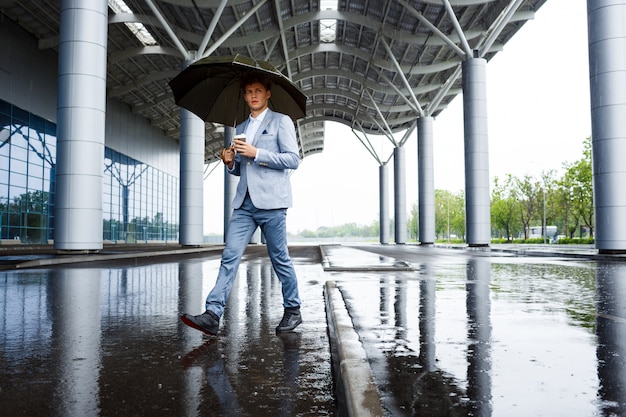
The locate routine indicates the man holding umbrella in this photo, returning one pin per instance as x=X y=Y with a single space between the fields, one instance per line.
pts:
x=262 y=161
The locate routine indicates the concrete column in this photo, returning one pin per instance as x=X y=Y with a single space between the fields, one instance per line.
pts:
x=383 y=196
x=607 y=79
x=81 y=112
x=399 y=190
x=191 y=177
x=477 y=198
x=426 y=180
x=230 y=182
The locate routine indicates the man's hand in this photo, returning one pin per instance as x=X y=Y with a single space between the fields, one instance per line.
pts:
x=228 y=157
x=244 y=149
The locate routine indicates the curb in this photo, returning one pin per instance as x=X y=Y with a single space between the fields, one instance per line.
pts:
x=64 y=260
x=357 y=394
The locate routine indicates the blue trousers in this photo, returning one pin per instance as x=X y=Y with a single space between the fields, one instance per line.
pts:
x=243 y=224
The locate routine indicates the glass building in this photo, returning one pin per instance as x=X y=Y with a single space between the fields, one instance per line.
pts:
x=140 y=202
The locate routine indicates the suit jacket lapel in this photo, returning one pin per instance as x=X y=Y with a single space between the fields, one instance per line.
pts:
x=266 y=120
x=242 y=127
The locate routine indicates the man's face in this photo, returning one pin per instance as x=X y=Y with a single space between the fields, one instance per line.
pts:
x=256 y=97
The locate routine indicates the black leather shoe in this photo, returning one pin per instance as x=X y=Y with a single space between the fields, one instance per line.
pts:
x=291 y=319
x=207 y=322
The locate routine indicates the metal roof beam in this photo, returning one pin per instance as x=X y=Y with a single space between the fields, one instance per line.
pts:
x=283 y=41
x=366 y=143
x=388 y=135
x=498 y=26
x=232 y=30
x=458 y=28
x=181 y=48
x=443 y=91
x=397 y=90
x=401 y=74
x=140 y=81
x=433 y=28
x=212 y=26
x=407 y=134
x=387 y=129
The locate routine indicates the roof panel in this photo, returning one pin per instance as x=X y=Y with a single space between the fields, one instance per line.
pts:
x=286 y=32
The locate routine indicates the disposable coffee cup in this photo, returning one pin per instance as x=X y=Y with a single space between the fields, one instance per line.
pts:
x=241 y=137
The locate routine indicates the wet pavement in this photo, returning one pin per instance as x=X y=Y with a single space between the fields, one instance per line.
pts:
x=445 y=332
x=80 y=340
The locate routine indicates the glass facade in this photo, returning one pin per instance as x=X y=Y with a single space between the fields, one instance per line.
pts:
x=140 y=203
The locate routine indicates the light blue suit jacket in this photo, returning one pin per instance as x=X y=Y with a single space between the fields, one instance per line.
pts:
x=266 y=178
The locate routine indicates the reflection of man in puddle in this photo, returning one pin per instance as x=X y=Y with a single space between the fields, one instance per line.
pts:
x=216 y=376
x=220 y=383
x=226 y=394
x=291 y=363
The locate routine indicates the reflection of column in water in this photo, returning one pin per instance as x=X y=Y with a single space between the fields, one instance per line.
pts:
x=190 y=299
x=232 y=330
x=399 y=307
x=266 y=292
x=479 y=336
x=190 y=296
x=427 y=319
x=291 y=364
x=253 y=300
x=384 y=300
x=611 y=332
x=75 y=300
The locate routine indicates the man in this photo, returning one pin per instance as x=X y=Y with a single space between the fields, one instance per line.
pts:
x=262 y=161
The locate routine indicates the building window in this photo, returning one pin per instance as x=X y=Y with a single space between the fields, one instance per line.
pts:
x=140 y=203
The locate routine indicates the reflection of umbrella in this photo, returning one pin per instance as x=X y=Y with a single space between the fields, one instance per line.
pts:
x=210 y=89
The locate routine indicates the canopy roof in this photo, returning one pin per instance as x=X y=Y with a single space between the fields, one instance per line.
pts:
x=375 y=66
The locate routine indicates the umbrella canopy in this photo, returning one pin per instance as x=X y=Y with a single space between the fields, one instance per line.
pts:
x=210 y=89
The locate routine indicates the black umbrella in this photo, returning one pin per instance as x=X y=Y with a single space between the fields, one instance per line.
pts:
x=210 y=89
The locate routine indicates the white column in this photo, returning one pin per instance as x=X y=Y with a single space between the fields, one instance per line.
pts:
x=477 y=198
x=607 y=79
x=191 y=177
x=399 y=188
x=383 y=181
x=426 y=180
x=230 y=182
x=81 y=112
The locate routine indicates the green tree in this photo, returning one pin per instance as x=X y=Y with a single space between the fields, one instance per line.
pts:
x=564 y=197
x=549 y=207
x=449 y=214
x=413 y=223
x=530 y=199
x=505 y=220
x=579 y=178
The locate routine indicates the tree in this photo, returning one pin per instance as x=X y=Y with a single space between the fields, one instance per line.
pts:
x=529 y=192
x=449 y=214
x=564 y=201
x=413 y=223
x=504 y=217
x=579 y=178
x=550 y=209
x=442 y=209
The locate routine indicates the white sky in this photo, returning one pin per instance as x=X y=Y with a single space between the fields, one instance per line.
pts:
x=538 y=116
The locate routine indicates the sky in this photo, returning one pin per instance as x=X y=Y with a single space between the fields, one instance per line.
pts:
x=538 y=117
